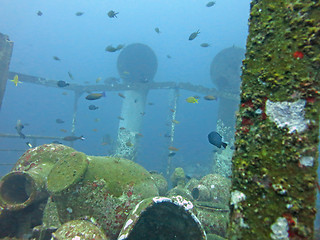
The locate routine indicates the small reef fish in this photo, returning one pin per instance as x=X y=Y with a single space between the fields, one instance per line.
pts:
x=98 y=79
x=122 y=128
x=157 y=30
x=171 y=154
x=150 y=103
x=173 y=149
x=209 y=97
x=39 y=13
x=62 y=84
x=120 y=118
x=204 y=45
x=73 y=138
x=15 y=80
x=56 y=58
x=64 y=93
x=216 y=139
x=168 y=56
x=79 y=14
x=56 y=142
x=120 y=46
x=29 y=144
x=194 y=35
x=172 y=110
x=129 y=144
x=95 y=96
x=59 y=121
x=97 y=119
x=110 y=48
x=175 y=121
x=121 y=95
x=93 y=107
x=112 y=14
x=192 y=100
x=210 y=4
x=63 y=130
x=95 y=130
x=19 y=126
x=70 y=76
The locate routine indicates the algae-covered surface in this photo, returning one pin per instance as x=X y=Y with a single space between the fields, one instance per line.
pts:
x=274 y=166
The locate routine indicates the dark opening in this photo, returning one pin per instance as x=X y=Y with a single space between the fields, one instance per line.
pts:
x=15 y=189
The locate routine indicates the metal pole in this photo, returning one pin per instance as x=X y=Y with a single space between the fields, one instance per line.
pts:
x=174 y=97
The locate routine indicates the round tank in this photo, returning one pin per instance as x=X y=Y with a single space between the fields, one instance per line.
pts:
x=137 y=63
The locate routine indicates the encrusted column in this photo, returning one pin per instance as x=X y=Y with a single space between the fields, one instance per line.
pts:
x=275 y=161
x=6 y=47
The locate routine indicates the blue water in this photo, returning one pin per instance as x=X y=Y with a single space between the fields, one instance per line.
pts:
x=80 y=41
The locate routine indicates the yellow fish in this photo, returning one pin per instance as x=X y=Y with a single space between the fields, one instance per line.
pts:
x=175 y=121
x=192 y=100
x=15 y=80
x=98 y=79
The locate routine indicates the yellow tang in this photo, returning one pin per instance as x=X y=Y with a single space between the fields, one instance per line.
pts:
x=192 y=100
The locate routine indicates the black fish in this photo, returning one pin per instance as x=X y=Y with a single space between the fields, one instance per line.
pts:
x=56 y=142
x=216 y=139
x=58 y=120
x=19 y=126
x=72 y=138
x=62 y=83
x=171 y=154
x=93 y=107
x=39 y=13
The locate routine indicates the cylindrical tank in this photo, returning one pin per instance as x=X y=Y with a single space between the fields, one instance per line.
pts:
x=225 y=71
x=137 y=65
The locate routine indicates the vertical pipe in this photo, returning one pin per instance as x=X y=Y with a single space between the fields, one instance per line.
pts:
x=133 y=110
x=274 y=166
x=77 y=94
x=6 y=47
x=174 y=97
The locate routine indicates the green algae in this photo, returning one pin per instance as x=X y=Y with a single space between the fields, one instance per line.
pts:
x=266 y=164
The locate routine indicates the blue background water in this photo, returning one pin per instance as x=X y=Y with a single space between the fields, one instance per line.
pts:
x=80 y=41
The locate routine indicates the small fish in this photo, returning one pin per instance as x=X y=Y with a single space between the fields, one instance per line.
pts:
x=171 y=154
x=62 y=84
x=39 y=13
x=29 y=144
x=93 y=107
x=19 y=126
x=98 y=79
x=56 y=142
x=112 y=14
x=59 y=121
x=157 y=30
x=97 y=119
x=104 y=143
x=120 y=118
x=120 y=46
x=122 y=128
x=72 y=138
x=173 y=149
x=175 y=121
x=139 y=135
x=121 y=95
x=172 y=110
x=194 y=35
x=15 y=80
x=210 y=4
x=169 y=56
x=95 y=96
x=79 y=14
x=196 y=97
x=95 y=130
x=204 y=45
x=63 y=130
x=216 y=139
x=143 y=113
x=192 y=100
x=129 y=144
x=166 y=135
x=56 y=58
x=70 y=76
x=150 y=103
x=110 y=48
x=209 y=97
x=64 y=93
